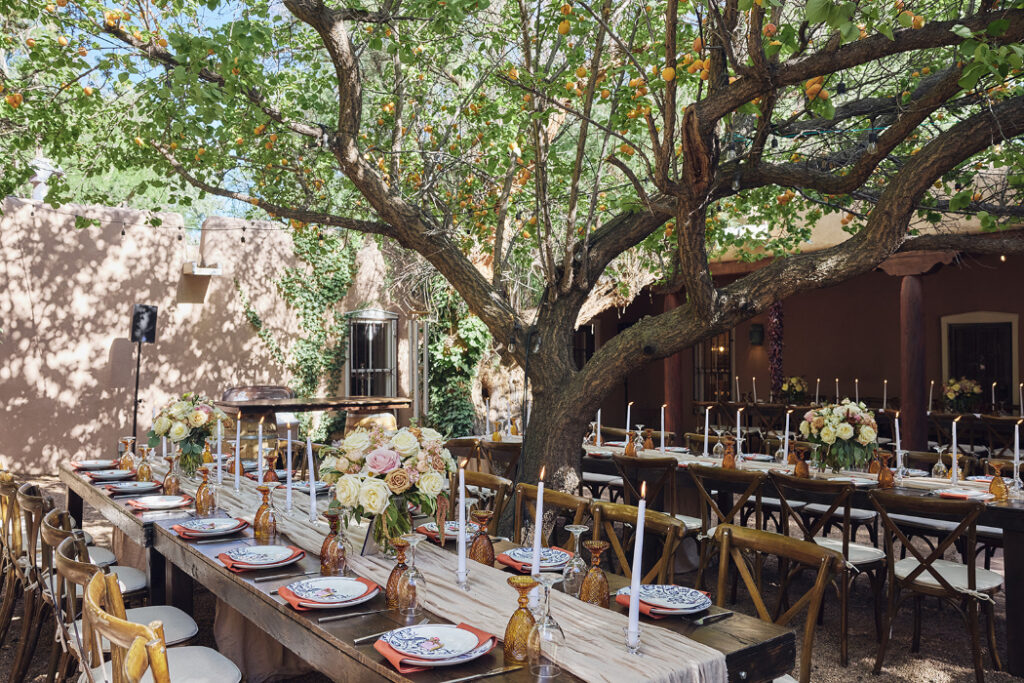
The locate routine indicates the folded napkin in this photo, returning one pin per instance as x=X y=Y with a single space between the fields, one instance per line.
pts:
x=645 y=608
x=407 y=665
x=239 y=567
x=192 y=536
x=136 y=505
x=523 y=567
x=980 y=495
x=435 y=536
x=299 y=604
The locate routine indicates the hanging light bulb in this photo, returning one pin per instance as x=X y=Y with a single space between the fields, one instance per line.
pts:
x=775 y=142
x=736 y=182
x=872 y=142
x=122 y=232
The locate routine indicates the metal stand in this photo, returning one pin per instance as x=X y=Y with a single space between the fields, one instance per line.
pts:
x=135 y=403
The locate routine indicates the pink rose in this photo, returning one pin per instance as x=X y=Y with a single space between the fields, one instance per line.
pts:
x=414 y=474
x=382 y=460
x=809 y=416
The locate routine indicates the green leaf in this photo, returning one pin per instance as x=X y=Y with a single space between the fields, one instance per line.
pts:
x=998 y=27
x=817 y=10
x=962 y=31
x=885 y=30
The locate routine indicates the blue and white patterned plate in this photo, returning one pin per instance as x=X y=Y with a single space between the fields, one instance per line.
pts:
x=550 y=558
x=671 y=599
x=302 y=485
x=111 y=475
x=95 y=464
x=431 y=641
x=134 y=486
x=214 y=526
x=261 y=555
x=329 y=590
x=162 y=502
x=758 y=457
x=451 y=528
x=484 y=648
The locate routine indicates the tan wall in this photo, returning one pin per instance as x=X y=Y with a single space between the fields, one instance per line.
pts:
x=67 y=367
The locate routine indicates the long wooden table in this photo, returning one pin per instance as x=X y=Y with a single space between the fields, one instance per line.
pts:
x=305 y=405
x=754 y=650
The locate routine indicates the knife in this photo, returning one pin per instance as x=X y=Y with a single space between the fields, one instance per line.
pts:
x=711 y=618
x=339 y=617
x=372 y=636
x=486 y=674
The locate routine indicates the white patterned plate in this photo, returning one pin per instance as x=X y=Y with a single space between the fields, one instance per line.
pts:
x=451 y=528
x=674 y=599
x=677 y=449
x=550 y=558
x=111 y=475
x=617 y=444
x=369 y=595
x=134 y=486
x=968 y=494
x=987 y=478
x=758 y=457
x=95 y=464
x=601 y=454
x=484 y=648
x=912 y=472
x=162 y=502
x=260 y=555
x=431 y=641
x=330 y=591
x=214 y=526
x=302 y=486
x=250 y=465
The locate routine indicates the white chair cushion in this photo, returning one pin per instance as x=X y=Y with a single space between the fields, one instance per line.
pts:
x=192 y=664
x=942 y=525
x=598 y=478
x=856 y=514
x=691 y=523
x=178 y=626
x=785 y=679
x=858 y=552
x=776 y=504
x=101 y=557
x=129 y=579
x=953 y=572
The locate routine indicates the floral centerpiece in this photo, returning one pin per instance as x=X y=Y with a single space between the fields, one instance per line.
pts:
x=187 y=422
x=794 y=390
x=845 y=434
x=378 y=475
x=962 y=395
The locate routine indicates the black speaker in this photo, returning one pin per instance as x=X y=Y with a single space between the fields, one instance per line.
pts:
x=144 y=324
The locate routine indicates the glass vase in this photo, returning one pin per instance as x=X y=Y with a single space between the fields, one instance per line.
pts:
x=332 y=552
x=387 y=527
x=481 y=549
x=391 y=589
x=189 y=462
x=517 y=632
x=205 y=499
x=595 y=584
x=264 y=524
x=172 y=482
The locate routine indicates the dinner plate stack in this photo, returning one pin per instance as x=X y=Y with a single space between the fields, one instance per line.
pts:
x=671 y=600
x=211 y=527
x=160 y=502
x=86 y=465
x=263 y=556
x=437 y=645
x=332 y=592
x=110 y=475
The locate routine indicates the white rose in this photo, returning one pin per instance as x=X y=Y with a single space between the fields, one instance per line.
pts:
x=198 y=418
x=357 y=441
x=405 y=443
x=845 y=431
x=429 y=434
x=805 y=428
x=180 y=409
x=867 y=435
x=828 y=435
x=161 y=425
x=178 y=431
x=347 y=490
x=374 y=495
x=431 y=483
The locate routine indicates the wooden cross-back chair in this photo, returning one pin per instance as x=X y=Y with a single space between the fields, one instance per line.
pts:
x=733 y=540
x=925 y=460
x=35 y=609
x=865 y=559
x=1000 y=435
x=931 y=576
x=695 y=442
x=667 y=529
x=500 y=457
x=465 y=448
x=659 y=473
x=498 y=489
x=748 y=485
x=12 y=546
x=526 y=507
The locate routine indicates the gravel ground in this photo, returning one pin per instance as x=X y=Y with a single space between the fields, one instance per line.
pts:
x=944 y=658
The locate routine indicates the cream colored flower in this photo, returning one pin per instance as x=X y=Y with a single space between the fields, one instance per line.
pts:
x=406 y=443
x=356 y=442
x=178 y=431
x=431 y=483
x=374 y=495
x=429 y=434
x=161 y=425
x=828 y=435
x=398 y=480
x=198 y=418
x=180 y=409
x=347 y=491
x=805 y=427
x=867 y=435
x=845 y=431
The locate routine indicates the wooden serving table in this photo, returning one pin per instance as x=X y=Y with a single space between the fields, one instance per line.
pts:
x=259 y=406
x=754 y=650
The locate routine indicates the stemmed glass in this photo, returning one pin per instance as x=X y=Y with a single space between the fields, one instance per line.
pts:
x=939 y=470
x=576 y=568
x=639 y=435
x=719 y=449
x=546 y=637
x=412 y=583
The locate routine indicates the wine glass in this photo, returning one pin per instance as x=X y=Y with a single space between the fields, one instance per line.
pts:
x=719 y=449
x=576 y=568
x=939 y=470
x=546 y=638
x=412 y=583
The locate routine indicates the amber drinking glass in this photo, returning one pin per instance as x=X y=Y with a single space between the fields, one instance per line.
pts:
x=172 y=483
x=205 y=498
x=391 y=590
x=482 y=550
x=264 y=524
x=127 y=460
x=332 y=553
x=270 y=467
x=517 y=632
x=595 y=584
x=143 y=470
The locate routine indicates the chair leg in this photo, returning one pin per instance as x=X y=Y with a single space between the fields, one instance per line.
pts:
x=877 y=583
x=22 y=654
x=972 y=625
x=56 y=652
x=915 y=644
x=990 y=617
x=844 y=595
x=11 y=590
x=34 y=621
x=890 y=614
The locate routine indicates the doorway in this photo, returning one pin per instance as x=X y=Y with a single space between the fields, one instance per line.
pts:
x=982 y=346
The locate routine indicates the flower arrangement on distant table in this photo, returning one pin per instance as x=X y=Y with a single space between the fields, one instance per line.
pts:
x=794 y=390
x=846 y=434
x=962 y=395
x=187 y=422
x=376 y=474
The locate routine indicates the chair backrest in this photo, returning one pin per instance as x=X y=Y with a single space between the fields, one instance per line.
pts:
x=76 y=573
x=134 y=648
x=385 y=421
x=834 y=496
x=669 y=529
x=925 y=460
x=803 y=447
x=34 y=505
x=526 y=507
x=747 y=483
x=499 y=486
x=660 y=475
x=501 y=457
x=465 y=448
x=1004 y=465
x=695 y=442
x=61 y=591
x=11 y=536
x=1000 y=434
x=963 y=537
x=733 y=540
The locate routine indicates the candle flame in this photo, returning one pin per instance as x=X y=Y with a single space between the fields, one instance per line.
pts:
x=643 y=490
x=631 y=403
x=542 y=472
x=741 y=409
x=885 y=381
x=664 y=405
x=993 y=383
x=957 y=418
x=788 y=412
x=463 y=463
x=897 y=414
x=1020 y=421
x=262 y=418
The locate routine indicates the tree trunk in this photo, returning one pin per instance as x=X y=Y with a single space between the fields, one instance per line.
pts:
x=554 y=439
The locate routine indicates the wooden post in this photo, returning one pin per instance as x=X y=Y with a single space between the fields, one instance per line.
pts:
x=673 y=384
x=912 y=365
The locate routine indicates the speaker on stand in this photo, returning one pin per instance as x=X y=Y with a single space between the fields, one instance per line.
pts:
x=143 y=332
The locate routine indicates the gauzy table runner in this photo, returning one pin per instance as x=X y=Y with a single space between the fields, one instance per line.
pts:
x=595 y=647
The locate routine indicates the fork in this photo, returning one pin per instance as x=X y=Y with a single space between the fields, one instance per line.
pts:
x=372 y=636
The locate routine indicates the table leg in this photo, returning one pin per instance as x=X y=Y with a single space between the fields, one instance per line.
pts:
x=156 y=573
x=1013 y=557
x=74 y=505
x=180 y=588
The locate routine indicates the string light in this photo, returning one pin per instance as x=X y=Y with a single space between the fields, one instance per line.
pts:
x=872 y=142
x=243 y=235
x=736 y=181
